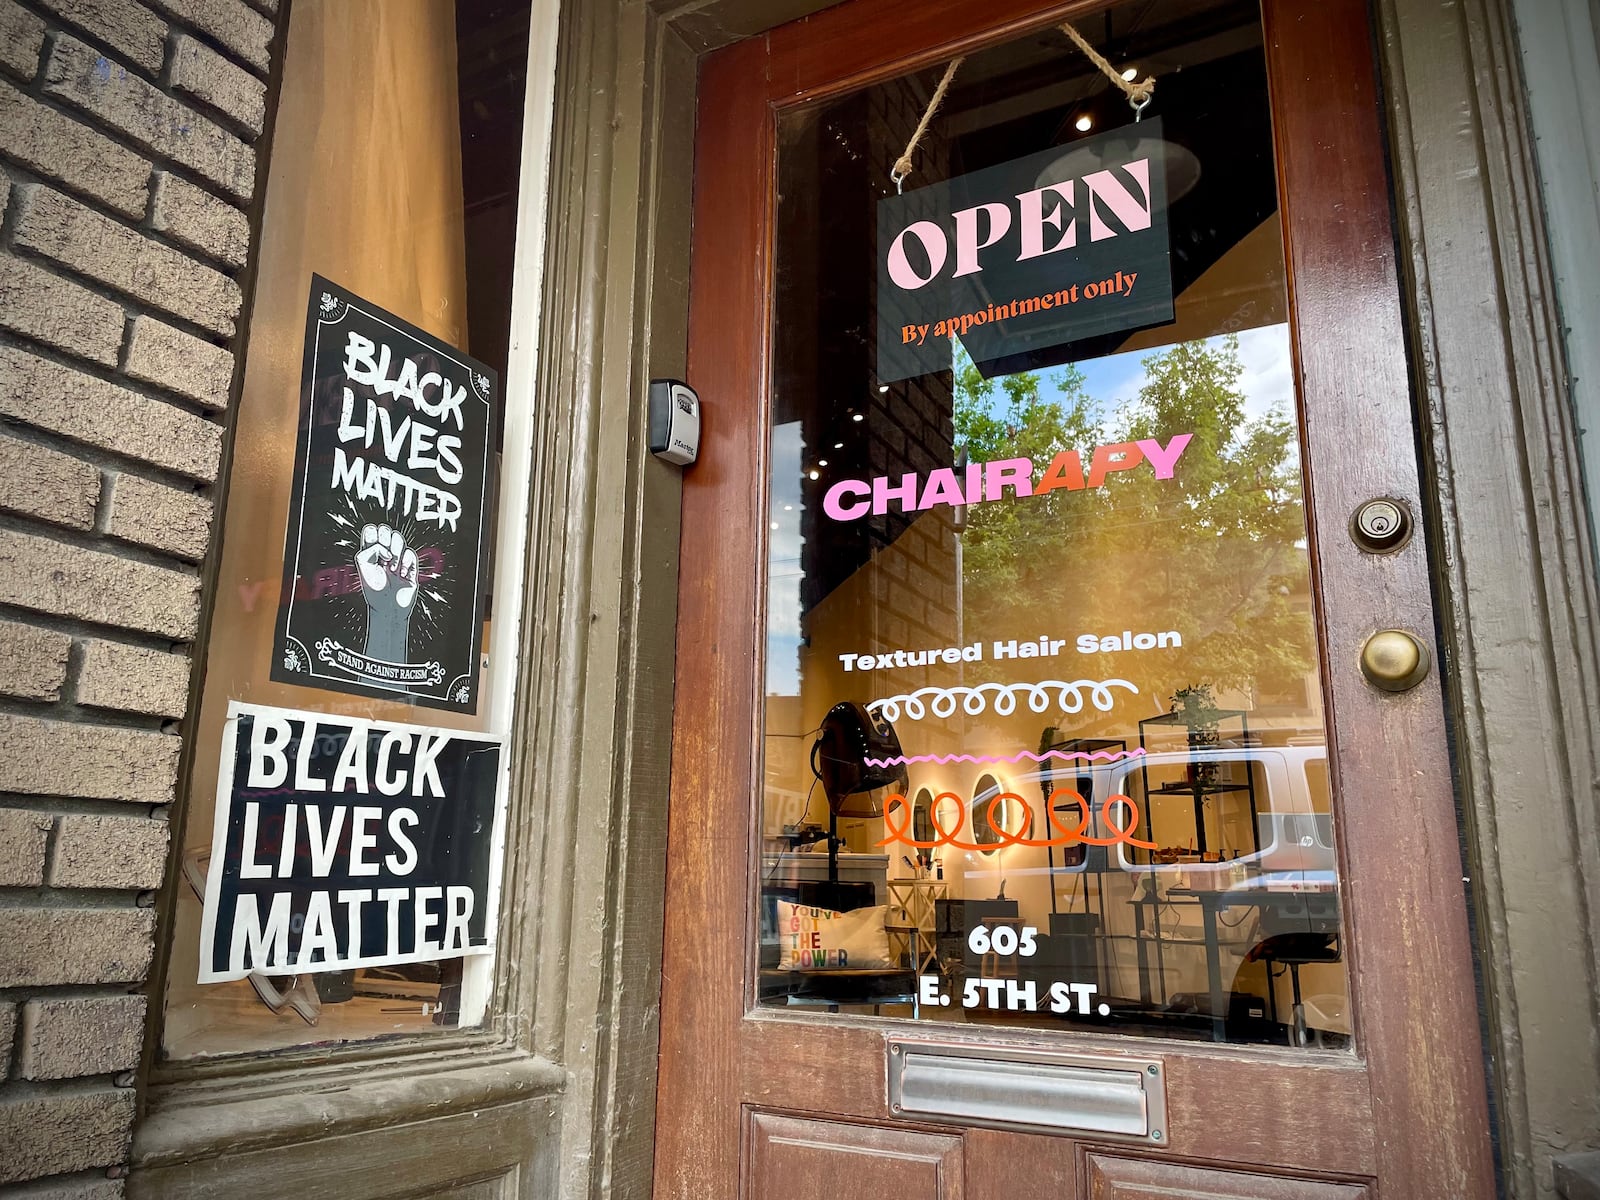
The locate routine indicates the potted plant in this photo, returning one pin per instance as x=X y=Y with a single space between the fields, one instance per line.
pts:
x=1196 y=707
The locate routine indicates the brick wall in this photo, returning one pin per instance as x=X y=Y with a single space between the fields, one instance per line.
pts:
x=127 y=165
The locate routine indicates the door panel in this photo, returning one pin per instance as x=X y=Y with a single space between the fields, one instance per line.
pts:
x=1299 y=1120
x=1132 y=1179
x=796 y=1158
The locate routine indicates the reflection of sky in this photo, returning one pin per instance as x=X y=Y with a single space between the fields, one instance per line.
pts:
x=1114 y=381
x=784 y=575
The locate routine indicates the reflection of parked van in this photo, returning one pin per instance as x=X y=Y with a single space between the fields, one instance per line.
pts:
x=1287 y=784
x=1195 y=806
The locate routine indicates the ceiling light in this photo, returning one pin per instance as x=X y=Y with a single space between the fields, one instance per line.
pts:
x=882 y=388
x=855 y=416
x=774 y=524
x=1180 y=166
x=1084 y=123
x=838 y=445
x=788 y=508
x=822 y=462
x=1130 y=73
x=813 y=474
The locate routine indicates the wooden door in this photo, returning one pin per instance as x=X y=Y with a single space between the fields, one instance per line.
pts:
x=774 y=1088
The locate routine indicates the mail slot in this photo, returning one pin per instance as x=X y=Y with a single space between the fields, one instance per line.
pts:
x=1110 y=1096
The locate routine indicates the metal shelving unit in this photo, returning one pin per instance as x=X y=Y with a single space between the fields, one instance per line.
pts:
x=1196 y=786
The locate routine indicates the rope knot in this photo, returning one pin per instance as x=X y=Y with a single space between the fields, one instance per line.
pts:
x=1138 y=95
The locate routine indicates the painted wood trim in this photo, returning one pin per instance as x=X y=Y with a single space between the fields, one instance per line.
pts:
x=1559 y=42
x=1513 y=560
x=223 y=1120
x=598 y=687
x=508 y=1152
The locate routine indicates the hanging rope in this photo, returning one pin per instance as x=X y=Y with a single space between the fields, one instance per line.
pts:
x=1138 y=94
x=903 y=164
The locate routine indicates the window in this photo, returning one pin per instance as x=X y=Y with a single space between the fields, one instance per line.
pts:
x=1040 y=555
x=368 y=559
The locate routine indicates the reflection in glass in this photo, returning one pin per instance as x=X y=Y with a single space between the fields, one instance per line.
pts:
x=1120 y=669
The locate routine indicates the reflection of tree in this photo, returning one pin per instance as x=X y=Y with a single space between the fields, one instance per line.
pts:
x=1215 y=553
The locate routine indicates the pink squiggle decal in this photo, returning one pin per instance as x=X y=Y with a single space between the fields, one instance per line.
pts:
x=942 y=759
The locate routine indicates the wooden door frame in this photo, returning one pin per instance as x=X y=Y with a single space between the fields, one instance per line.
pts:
x=1408 y=940
x=1432 y=57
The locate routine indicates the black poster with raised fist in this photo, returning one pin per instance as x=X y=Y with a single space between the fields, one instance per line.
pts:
x=386 y=556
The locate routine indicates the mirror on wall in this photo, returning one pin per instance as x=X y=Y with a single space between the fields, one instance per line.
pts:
x=995 y=808
x=922 y=816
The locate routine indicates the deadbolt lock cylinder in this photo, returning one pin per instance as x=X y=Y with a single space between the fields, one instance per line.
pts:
x=1381 y=525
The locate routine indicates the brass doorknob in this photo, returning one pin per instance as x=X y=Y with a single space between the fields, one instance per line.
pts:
x=1394 y=660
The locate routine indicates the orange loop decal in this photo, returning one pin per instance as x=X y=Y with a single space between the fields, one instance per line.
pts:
x=897 y=815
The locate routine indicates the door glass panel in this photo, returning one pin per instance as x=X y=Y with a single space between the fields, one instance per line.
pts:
x=1041 y=654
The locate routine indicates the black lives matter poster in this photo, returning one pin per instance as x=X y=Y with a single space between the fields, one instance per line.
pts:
x=1026 y=256
x=343 y=843
x=386 y=557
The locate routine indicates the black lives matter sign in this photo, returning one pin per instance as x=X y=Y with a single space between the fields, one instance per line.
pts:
x=345 y=843
x=386 y=556
x=1027 y=256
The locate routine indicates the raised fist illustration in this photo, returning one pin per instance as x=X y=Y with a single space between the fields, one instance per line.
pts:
x=388 y=570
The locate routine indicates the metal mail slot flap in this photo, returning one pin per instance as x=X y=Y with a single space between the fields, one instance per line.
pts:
x=1105 y=1095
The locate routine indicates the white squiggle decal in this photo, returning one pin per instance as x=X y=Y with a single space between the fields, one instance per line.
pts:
x=975 y=700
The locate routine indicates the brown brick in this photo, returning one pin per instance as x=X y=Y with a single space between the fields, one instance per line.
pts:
x=50 y=946
x=133 y=679
x=58 y=312
x=198 y=219
x=79 y=76
x=48 y=576
x=127 y=27
x=162 y=517
x=21 y=40
x=59 y=228
x=100 y=762
x=238 y=27
x=180 y=362
x=23 y=836
x=65 y=1037
x=201 y=72
x=37 y=481
x=8 y=1035
x=33 y=661
x=58 y=1132
x=48 y=141
x=108 y=852
x=50 y=396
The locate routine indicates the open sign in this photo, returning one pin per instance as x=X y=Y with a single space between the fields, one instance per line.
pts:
x=1025 y=256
